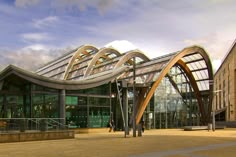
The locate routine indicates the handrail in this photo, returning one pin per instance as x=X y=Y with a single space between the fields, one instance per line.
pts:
x=22 y=124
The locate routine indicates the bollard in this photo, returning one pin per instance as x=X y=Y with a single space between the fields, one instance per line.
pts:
x=209 y=126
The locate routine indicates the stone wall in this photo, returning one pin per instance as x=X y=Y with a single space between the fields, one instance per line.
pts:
x=35 y=136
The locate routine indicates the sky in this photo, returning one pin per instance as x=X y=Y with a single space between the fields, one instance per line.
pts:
x=33 y=32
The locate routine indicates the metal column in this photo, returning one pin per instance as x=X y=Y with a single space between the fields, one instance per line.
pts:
x=134 y=98
x=121 y=107
x=125 y=108
x=62 y=106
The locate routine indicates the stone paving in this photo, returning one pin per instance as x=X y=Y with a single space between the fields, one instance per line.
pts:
x=153 y=143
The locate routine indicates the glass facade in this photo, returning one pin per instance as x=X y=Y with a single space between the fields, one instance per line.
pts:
x=173 y=109
x=45 y=105
x=11 y=106
x=173 y=104
x=89 y=108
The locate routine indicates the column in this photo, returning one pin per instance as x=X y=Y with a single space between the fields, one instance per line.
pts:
x=62 y=104
x=125 y=108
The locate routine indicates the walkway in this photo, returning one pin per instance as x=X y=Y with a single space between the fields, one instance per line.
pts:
x=154 y=143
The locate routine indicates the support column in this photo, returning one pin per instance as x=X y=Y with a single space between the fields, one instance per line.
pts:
x=62 y=103
x=125 y=108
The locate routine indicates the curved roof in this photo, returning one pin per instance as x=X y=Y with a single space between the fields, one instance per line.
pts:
x=193 y=61
x=88 y=60
x=89 y=67
x=89 y=82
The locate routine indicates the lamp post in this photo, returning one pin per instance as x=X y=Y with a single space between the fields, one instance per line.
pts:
x=134 y=97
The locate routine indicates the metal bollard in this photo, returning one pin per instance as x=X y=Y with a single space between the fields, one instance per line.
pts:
x=209 y=126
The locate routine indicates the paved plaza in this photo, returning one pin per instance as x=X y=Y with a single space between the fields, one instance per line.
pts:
x=153 y=143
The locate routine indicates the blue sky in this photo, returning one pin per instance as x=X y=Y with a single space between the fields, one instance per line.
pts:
x=33 y=32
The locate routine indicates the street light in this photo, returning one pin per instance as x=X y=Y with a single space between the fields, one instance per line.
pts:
x=134 y=97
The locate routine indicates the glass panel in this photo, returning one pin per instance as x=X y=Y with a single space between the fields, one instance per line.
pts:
x=186 y=59
x=71 y=100
x=196 y=75
x=192 y=66
x=45 y=106
x=54 y=67
x=95 y=101
x=76 y=112
x=172 y=108
x=196 y=56
x=41 y=89
x=203 y=64
x=1 y=107
x=203 y=85
x=13 y=107
x=199 y=75
x=99 y=117
x=101 y=90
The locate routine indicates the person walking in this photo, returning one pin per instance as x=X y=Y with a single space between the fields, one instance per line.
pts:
x=112 y=126
x=143 y=125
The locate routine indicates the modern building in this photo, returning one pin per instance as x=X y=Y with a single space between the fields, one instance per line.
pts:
x=87 y=87
x=225 y=89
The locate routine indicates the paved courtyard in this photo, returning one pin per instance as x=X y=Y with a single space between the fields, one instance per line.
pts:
x=154 y=143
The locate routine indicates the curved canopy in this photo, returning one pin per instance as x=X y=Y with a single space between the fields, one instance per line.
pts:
x=89 y=82
x=89 y=66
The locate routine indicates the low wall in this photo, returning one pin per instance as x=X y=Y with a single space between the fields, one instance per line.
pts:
x=35 y=136
x=229 y=124
x=90 y=130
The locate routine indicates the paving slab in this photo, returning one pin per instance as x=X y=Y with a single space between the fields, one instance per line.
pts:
x=158 y=143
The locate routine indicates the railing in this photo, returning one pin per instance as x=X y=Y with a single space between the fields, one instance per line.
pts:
x=31 y=124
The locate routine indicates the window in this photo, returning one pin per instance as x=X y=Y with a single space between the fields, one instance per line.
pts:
x=71 y=100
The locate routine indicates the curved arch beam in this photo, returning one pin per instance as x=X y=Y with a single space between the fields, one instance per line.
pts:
x=129 y=55
x=79 y=51
x=165 y=70
x=185 y=68
x=99 y=54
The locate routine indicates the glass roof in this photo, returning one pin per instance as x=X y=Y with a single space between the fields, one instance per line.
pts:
x=146 y=72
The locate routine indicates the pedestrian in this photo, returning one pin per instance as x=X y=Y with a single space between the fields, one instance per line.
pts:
x=143 y=125
x=112 y=126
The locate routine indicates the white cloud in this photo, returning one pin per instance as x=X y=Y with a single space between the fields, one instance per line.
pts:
x=25 y=3
x=121 y=45
x=101 y=5
x=157 y=27
x=36 y=37
x=31 y=56
x=216 y=44
x=45 y=22
x=216 y=64
x=35 y=47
